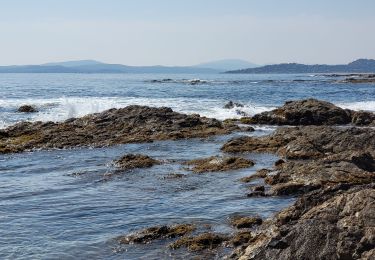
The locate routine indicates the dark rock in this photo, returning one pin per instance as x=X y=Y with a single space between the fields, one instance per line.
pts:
x=333 y=223
x=218 y=164
x=245 y=222
x=363 y=118
x=258 y=188
x=306 y=142
x=359 y=78
x=290 y=188
x=174 y=176
x=200 y=242
x=241 y=238
x=279 y=162
x=27 y=109
x=154 y=233
x=132 y=124
x=132 y=161
x=364 y=161
x=232 y=104
x=304 y=112
x=255 y=194
x=248 y=129
x=262 y=173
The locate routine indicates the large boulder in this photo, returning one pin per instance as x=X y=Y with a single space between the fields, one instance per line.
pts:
x=334 y=223
x=27 y=109
x=304 y=112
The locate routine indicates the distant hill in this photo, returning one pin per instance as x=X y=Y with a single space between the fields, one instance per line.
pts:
x=92 y=66
x=228 y=64
x=74 y=63
x=358 y=66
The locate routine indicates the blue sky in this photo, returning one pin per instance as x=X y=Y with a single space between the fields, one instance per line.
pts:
x=185 y=32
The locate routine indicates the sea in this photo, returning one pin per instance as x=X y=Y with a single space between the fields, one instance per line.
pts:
x=60 y=204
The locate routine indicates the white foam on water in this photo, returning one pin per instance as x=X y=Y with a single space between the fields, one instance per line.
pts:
x=60 y=109
x=362 y=105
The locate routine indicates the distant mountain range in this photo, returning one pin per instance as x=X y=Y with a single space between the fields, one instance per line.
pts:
x=92 y=66
x=229 y=64
x=358 y=66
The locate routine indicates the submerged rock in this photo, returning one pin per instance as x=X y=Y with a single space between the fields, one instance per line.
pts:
x=232 y=104
x=200 y=242
x=27 y=109
x=131 y=124
x=154 y=233
x=132 y=161
x=359 y=78
x=218 y=164
x=245 y=222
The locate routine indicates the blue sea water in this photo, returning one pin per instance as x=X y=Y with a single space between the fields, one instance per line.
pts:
x=71 y=204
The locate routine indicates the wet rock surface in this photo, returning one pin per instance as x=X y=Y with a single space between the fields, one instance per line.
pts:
x=311 y=112
x=359 y=78
x=232 y=104
x=245 y=222
x=304 y=112
x=241 y=238
x=131 y=124
x=132 y=161
x=306 y=142
x=27 y=109
x=262 y=173
x=332 y=169
x=219 y=164
x=163 y=232
x=200 y=242
x=332 y=223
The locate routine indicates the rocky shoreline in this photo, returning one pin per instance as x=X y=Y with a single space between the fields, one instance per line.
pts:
x=328 y=162
x=132 y=124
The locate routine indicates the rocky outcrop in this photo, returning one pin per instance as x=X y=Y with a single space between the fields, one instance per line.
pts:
x=337 y=222
x=359 y=78
x=311 y=112
x=245 y=222
x=302 y=176
x=306 y=142
x=115 y=126
x=200 y=242
x=333 y=170
x=132 y=161
x=363 y=118
x=304 y=112
x=232 y=104
x=27 y=109
x=154 y=233
x=219 y=164
x=262 y=173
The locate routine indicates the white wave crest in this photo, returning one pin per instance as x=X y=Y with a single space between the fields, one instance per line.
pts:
x=60 y=109
x=361 y=105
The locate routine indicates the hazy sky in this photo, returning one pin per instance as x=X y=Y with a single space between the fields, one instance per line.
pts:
x=185 y=32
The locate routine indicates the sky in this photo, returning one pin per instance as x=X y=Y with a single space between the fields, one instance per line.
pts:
x=186 y=32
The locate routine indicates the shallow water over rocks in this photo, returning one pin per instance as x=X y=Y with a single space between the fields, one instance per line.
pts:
x=74 y=203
